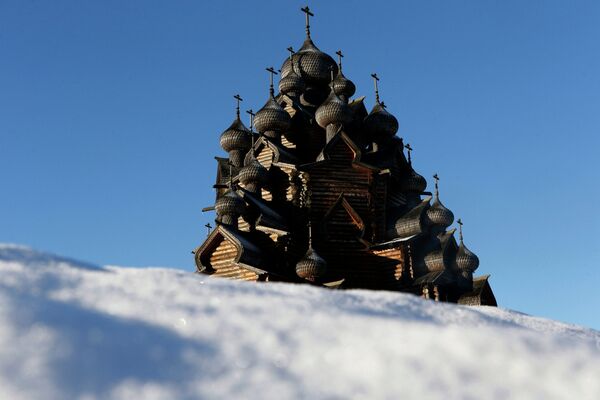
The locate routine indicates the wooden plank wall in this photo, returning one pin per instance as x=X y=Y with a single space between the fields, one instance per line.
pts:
x=222 y=261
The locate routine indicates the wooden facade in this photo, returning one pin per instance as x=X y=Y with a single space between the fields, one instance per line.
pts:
x=325 y=193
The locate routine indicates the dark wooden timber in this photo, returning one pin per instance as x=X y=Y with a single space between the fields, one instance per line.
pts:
x=322 y=160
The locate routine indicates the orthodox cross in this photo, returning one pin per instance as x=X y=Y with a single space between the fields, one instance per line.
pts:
x=237 y=108
x=340 y=56
x=460 y=224
x=375 y=80
x=272 y=72
x=208 y=228
x=291 y=50
x=437 y=178
x=309 y=14
x=407 y=147
x=309 y=234
x=252 y=114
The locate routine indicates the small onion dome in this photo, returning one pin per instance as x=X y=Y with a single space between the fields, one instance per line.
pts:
x=236 y=137
x=439 y=215
x=272 y=117
x=342 y=86
x=311 y=266
x=230 y=204
x=312 y=64
x=253 y=171
x=333 y=111
x=291 y=83
x=466 y=260
x=413 y=182
x=380 y=123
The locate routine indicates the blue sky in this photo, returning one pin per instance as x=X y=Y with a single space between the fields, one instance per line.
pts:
x=110 y=114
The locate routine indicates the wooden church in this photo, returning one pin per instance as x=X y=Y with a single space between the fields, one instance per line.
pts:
x=324 y=193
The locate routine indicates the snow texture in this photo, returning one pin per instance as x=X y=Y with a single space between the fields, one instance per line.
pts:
x=71 y=330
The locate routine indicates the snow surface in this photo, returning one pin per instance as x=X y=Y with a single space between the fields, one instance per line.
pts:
x=71 y=330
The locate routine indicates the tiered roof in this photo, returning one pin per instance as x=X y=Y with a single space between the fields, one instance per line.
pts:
x=304 y=166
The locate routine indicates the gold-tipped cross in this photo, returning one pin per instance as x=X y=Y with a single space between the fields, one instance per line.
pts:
x=407 y=147
x=340 y=56
x=376 y=80
x=309 y=14
x=460 y=224
x=208 y=228
x=272 y=73
x=237 y=108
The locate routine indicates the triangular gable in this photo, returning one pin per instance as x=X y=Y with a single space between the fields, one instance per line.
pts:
x=247 y=254
x=341 y=204
x=340 y=148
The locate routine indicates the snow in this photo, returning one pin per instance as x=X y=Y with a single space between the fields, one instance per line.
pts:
x=71 y=330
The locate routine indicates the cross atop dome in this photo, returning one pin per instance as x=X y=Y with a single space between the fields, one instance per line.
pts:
x=237 y=107
x=309 y=14
x=340 y=56
x=375 y=81
x=409 y=149
x=272 y=73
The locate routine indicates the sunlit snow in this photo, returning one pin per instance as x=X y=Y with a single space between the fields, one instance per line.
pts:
x=71 y=330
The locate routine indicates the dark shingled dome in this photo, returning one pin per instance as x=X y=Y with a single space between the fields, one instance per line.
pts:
x=272 y=117
x=466 y=260
x=343 y=87
x=439 y=215
x=311 y=63
x=380 y=124
x=333 y=111
x=230 y=204
x=253 y=172
x=311 y=266
x=236 y=137
x=413 y=182
x=292 y=83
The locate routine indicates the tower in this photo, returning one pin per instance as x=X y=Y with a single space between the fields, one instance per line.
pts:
x=326 y=194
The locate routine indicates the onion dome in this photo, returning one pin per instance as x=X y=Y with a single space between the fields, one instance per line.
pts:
x=291 y=84
x=253 y=172
x=466 y=260
x=272 y=117
x=342 y=86
x=311 y=63
x=230 y=204
x=236 y=137
x=380 y=123
x=333 y=111
x=413 y=182
x=437 y=213
x=312 y=265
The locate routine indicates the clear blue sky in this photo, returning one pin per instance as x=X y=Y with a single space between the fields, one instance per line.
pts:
x=110 y=115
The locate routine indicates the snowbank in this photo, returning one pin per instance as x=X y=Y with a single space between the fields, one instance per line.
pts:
x=70 y=330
